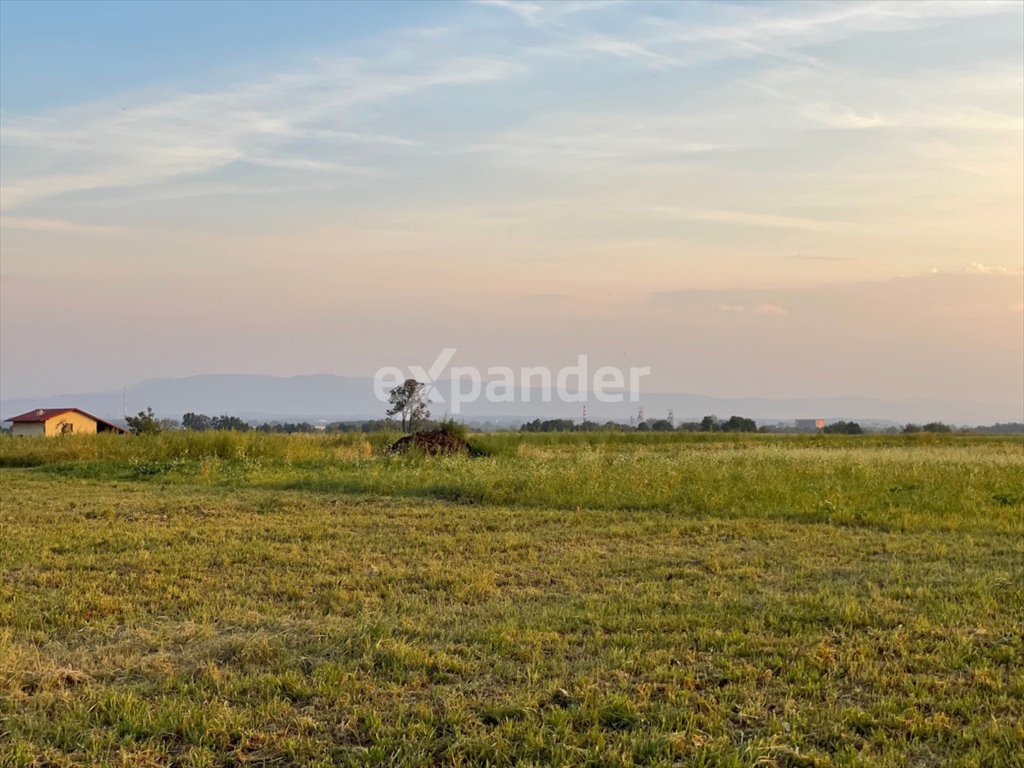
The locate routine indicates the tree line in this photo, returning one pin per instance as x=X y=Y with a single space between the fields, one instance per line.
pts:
x=147 y=422
x=707 y=424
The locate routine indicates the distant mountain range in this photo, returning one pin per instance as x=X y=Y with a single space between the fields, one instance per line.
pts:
x=341 y=398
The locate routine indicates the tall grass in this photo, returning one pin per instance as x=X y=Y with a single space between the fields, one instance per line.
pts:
x=187 y=445
x=890 y=481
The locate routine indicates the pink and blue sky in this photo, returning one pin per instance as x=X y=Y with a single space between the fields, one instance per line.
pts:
x=753 y=199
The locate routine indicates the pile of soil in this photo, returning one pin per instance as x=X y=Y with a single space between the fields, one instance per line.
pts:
x=434 y=444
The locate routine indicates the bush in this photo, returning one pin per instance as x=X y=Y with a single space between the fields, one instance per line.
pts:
x=843 y=428
x=739 y=424
x=451 y=428
x=145 y=423
x=934 y=426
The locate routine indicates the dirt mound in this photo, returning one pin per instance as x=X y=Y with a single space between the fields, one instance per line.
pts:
x=434 y=444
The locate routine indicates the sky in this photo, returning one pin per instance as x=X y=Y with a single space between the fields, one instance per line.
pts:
x=752 y=199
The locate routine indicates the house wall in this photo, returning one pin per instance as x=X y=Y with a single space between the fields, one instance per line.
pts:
x=33 y=429
x=80 y=425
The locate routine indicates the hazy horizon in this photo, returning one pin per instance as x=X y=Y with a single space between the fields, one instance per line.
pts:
x=329 y=397
x=754 y=200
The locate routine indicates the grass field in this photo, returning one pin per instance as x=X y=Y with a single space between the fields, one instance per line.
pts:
x=584 y=599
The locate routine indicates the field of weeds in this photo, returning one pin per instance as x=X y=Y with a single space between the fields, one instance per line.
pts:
x=214 y=599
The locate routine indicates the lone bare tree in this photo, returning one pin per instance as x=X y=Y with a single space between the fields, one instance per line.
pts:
x=409 y=399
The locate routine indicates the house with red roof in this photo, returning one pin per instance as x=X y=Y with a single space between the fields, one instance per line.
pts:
x=50 y=422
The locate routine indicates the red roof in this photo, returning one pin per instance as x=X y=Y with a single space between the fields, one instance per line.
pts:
x=40 y=415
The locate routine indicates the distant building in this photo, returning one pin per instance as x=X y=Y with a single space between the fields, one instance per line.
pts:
x=809 y=425
x=49 y=422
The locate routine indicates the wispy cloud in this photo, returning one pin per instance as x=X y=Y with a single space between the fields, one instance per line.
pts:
x=833 y=115
x=530 y=12
x=593 y=137
x=817 y=257
x=769 y=309
x=993 y=269
x=547 y=13
x=56 y=225
x=752 y=219
x=629 y=50
x=265 y=122
x=757 y=309
x=324 y=117
x=801 y=25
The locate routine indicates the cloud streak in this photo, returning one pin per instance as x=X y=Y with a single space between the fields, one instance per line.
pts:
x=56 y=225
x=264 y=122
x=753 y=219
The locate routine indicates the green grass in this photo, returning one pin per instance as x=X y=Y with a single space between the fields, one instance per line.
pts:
x=215 y=600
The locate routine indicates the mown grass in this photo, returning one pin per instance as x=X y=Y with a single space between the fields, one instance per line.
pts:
x=213 y=600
